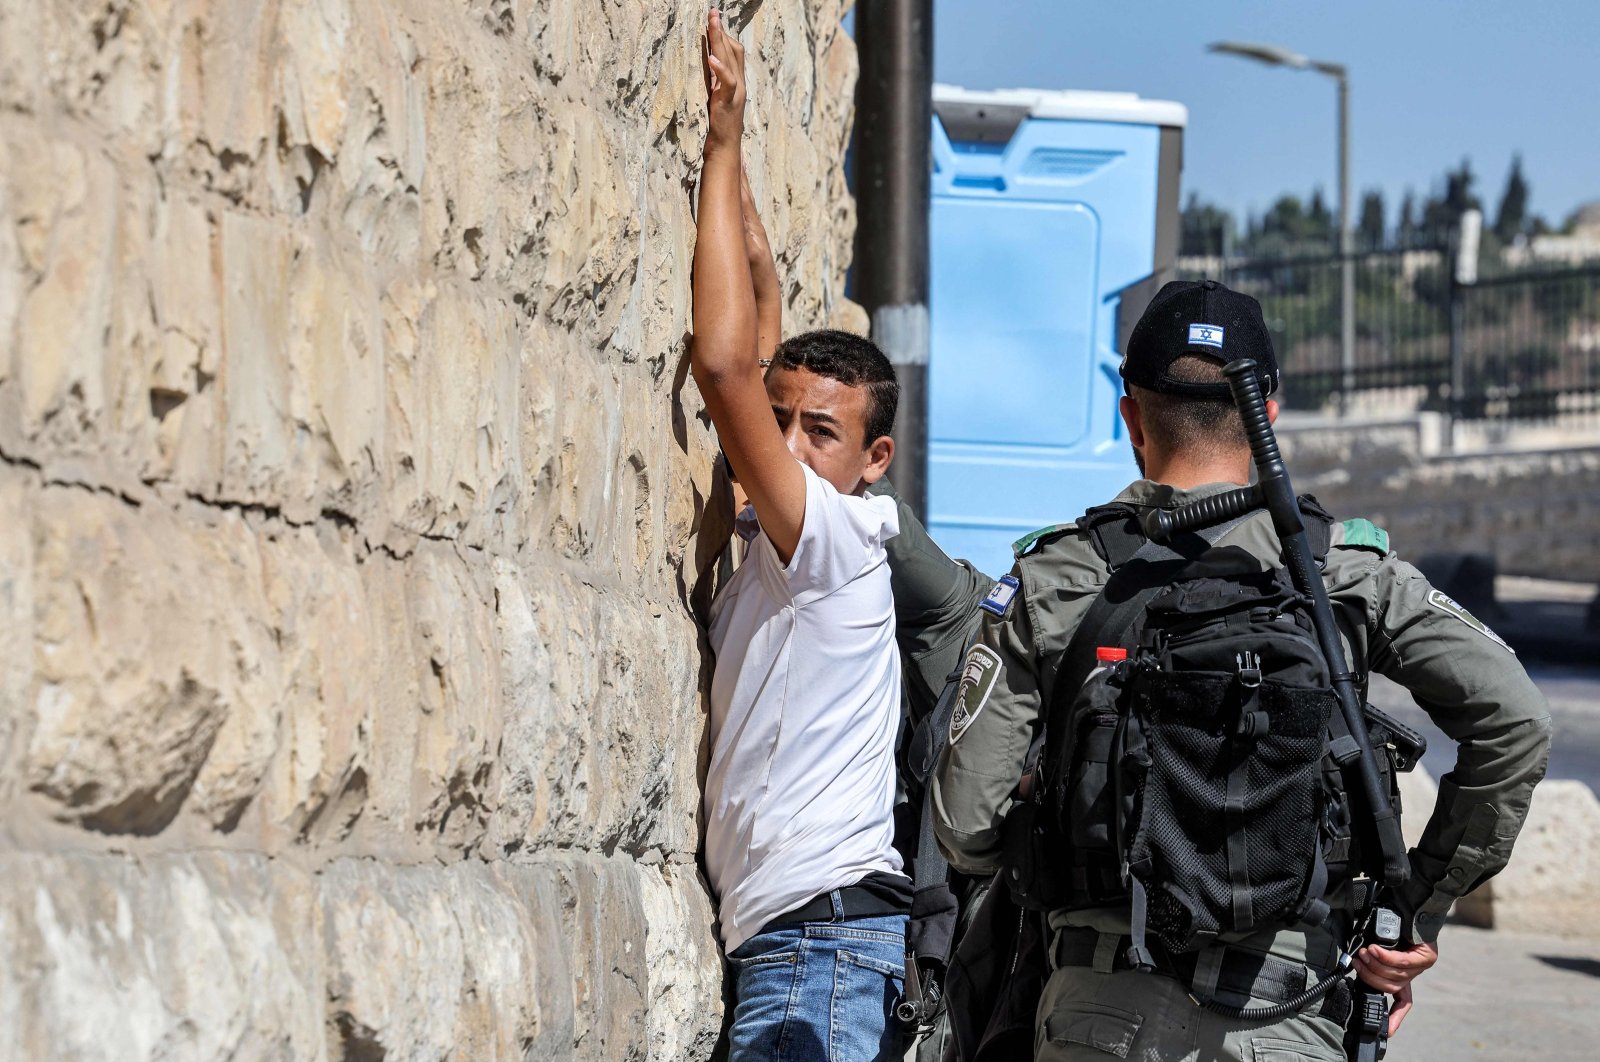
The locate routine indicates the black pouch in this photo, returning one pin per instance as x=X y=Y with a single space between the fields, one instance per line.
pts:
x=1032 y=856
x=1228 y=836
x=1094 y=794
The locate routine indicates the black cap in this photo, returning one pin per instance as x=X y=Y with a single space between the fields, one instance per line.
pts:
x=1198 y=317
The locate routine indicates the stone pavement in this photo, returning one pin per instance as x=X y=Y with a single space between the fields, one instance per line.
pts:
x=1511 y=996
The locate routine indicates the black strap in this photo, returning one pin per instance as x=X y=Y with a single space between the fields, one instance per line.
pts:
x=927 y=744
x=930 y=933
x=855 y=900
x=933 y=732
x=1238 y=850
x=1318 y=524
x=1114 y=532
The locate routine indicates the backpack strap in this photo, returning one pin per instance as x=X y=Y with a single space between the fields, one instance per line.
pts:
x=1114 y=532
x=1318 y=523
x=931 y=928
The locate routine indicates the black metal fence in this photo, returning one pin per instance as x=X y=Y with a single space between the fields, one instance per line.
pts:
x=1519 y=345
x=1529 y=346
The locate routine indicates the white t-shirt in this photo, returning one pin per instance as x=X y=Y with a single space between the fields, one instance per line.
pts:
x=805 y=709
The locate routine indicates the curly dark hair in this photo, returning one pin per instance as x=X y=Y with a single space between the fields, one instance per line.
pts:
x=854 y=362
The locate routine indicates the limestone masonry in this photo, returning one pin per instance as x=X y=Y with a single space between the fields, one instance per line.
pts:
x=351 y=492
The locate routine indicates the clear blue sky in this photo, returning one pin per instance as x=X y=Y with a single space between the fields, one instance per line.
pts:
x=1431 y=81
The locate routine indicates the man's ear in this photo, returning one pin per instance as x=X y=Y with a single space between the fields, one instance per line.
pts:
x=1128 y=406
x=1272 y=411
x=879 y=454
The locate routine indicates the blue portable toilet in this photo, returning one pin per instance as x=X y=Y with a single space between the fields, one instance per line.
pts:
x=1054 y=220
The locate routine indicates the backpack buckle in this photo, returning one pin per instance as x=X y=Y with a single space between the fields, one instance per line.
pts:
x=1248 y=664
x=1253 y=722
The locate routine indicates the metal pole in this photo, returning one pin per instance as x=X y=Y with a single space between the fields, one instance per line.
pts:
x=894 y=115
x=1347 y=265
x=1458 y=375
x=1464 y=242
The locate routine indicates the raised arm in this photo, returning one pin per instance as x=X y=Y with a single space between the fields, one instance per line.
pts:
x=763 y=274
x=724 y=357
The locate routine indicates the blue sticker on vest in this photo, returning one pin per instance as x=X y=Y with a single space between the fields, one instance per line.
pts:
x=999 y=598
x=1206 y=335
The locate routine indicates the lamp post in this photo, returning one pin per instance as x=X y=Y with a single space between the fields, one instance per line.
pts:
x=1273 y=55
x=894 y=123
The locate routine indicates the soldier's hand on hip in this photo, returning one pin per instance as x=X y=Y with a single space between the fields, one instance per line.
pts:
x=1391 y=969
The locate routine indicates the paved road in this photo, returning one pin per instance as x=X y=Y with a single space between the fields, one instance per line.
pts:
x=1505 y=996
x=1574 y=695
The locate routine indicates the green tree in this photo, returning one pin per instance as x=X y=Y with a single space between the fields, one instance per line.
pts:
x=1319 y=221
x=1512 y=217
x=1406 y=229
x=1441 y=214
x=1207 y=229
x=1370 y=228
x=1458 y=193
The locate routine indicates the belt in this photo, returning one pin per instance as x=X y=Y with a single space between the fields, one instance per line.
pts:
x=854 y=902
x=1243 y=973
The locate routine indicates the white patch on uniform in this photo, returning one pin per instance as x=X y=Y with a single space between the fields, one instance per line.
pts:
x=1206 y=335
x=978 y=677
x=1446 y=604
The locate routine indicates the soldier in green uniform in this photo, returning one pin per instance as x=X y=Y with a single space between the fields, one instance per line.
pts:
x=935 y=606
x=1190 y=444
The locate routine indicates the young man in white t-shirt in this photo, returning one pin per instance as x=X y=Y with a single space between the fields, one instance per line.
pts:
x=805 y=696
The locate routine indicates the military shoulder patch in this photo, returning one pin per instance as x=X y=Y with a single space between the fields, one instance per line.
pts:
x=1446 y=604
x=1025 y=545
x=1366 y=534
x=978 y=676
x=998 y=600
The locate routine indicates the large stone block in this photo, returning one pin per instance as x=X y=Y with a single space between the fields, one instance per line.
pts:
x=583 y=716
x=16 y=618
x=169 y=957
x=1537 y=512
x=586 y=958
x=151 y=636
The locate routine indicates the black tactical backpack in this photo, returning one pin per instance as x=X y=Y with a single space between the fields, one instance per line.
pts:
x=1202 y=779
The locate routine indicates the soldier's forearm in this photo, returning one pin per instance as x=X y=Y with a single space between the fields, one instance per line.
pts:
x=1481 y=807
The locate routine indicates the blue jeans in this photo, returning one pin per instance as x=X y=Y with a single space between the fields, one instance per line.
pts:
x=819 y=992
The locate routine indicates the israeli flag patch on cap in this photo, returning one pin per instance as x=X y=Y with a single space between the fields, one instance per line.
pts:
x=1206 y=335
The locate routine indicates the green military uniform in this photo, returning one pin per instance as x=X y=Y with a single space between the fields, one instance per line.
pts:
x=1393 y=623
x=935 y=606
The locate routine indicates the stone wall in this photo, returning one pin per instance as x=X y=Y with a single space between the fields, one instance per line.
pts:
x=351 y=491
x=1536 y=511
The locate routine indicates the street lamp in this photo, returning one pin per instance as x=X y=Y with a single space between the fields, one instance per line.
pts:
x=1273 y=55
